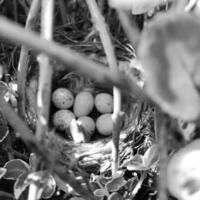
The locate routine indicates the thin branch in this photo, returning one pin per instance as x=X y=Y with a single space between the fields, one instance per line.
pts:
x=99 y=22
x=45 y=71
x=24 y=59
x=63 y=12
x=73 y=61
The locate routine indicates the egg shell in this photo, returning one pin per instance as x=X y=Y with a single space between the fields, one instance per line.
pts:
x=88 y=124
x=62 y=119
x=83 y=104
x=104 y=124
x=62 y=98
x=183 y=172
x=104 y=102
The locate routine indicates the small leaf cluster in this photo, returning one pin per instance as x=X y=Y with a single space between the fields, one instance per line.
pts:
x=21 y=172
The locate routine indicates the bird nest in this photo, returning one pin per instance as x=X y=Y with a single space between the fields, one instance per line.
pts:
x=94 y=156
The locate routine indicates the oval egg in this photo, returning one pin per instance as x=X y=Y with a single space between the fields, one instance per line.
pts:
x=62 y=98
x=88 y=124
x=83 y=104
x=104 y=124
x=62 y=119
x=104 y=103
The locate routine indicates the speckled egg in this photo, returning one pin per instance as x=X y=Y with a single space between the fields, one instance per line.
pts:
x=104 y=103
x=62 y=119
x=62 y=98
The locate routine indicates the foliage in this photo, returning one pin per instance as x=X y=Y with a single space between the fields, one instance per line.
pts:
x=21 y=172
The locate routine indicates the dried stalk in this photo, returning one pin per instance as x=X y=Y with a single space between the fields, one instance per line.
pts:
x=161 y=133
x=73 y=60
x=45 y=70
x=100 y=25
x=24 y=60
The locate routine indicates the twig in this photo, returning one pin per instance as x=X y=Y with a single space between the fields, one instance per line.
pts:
x=63 y=12
x=99 y=22
x=73 y=60
x=24 y=60
x=15 y=10
x=6 y=195
x=46 y=70
x=139 y=184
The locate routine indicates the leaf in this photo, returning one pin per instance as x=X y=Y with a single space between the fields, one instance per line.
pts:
x=2 y=172
x=20 y=184
x=135 y=163
x=101 y=192
x=115 y=196
x=3 y=128
x=115 y=184
x=151 y=156
x=15 y=168
x=169 y=51
x=49 y=188
x=64 y=186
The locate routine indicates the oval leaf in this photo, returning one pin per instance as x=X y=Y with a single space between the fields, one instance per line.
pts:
x=2 y=172
x=115 y=184
x=20 y=185
x=15 y=168
x=168 y=50
x=115 y=196
x=100 y=192
x=49 y=188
